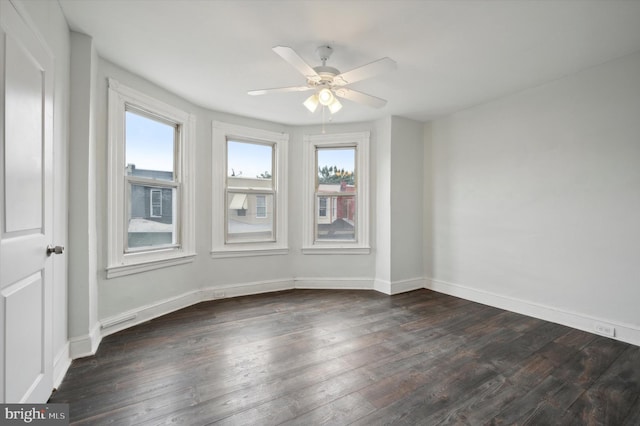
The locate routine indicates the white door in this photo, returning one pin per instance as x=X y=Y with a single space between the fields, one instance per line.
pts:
x=26 y=132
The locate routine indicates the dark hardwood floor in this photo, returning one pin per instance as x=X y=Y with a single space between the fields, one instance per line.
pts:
x=309 y=357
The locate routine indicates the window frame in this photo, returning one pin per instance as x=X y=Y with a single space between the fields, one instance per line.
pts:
x=220 y=248
x=120 y=260
x=310 y=244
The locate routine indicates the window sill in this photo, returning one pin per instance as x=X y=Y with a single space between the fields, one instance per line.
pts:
x=336 y=250
x=248 y=252
x=136 y=268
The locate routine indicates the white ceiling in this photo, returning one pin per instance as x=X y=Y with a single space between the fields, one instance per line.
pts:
x=450 y=54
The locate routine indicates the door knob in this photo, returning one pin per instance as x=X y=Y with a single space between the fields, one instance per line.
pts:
x=54 y=250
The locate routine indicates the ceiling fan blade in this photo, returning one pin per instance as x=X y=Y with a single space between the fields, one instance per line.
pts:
x=279 y=90
x=363 y=98
x=290 y=55
x=366 y=71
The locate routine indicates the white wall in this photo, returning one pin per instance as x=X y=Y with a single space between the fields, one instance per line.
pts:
x=536 y=197
x=406 y=201
x=399 y=189
x=82 y=250
x=381 y=158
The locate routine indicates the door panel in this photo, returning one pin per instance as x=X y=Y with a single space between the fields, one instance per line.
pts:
x=26 y=131
x=22 y=302
x=23 y=145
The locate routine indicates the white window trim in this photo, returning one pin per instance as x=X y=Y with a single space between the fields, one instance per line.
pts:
x=120 y=263
x=339 y=140
x=221 y=132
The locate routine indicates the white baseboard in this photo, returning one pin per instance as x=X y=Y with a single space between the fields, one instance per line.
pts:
x=245 y=289
x=404 y=286
x=334 y=283
x=148 y=312
x=397 y=287
x=86 y=345
x=61 y=364
x=127 y=319
x=623 y=332
x=144 y=313
x=383 y=286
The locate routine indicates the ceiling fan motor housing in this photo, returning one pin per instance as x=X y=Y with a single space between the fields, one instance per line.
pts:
x=324 y=52
x=325 y=72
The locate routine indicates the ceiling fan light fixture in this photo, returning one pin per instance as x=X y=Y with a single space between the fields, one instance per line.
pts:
x=311 y=103
x=325 y=97
x=335 y=106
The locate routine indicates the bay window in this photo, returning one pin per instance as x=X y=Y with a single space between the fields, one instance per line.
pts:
x=150 y=215
x=249 y=204
x=336 y=202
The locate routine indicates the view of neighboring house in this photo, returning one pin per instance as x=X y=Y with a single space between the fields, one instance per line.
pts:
x=335 y=216
x=150 y=210
x=250 y=211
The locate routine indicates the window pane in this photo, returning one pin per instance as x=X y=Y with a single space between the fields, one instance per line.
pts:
x=149 y=147
x=336 y=167
x=322 y=206
x=249 y=217
x=339 y=222
x=151 y=221
x=156 y=203
x=249 y=165
x=261 y=206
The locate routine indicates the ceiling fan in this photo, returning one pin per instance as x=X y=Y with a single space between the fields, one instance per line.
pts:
x=327 y=82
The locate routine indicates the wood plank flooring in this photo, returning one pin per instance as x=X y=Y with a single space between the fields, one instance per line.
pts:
x=310 y=357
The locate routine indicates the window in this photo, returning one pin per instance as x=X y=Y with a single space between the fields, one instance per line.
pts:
x=150 y=172
x=249 y=207
x=156 y=203
x=249 y=182
x=336 y=218
x=336 y=178
x=261 y=206
x=150 y=196
x=322 y=207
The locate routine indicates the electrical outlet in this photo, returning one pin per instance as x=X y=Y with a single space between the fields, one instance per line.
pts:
x=218 y=294
x=605 y=329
